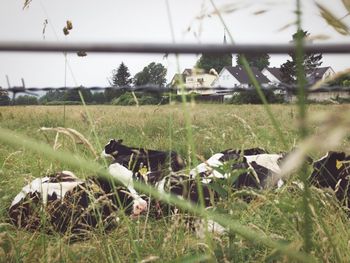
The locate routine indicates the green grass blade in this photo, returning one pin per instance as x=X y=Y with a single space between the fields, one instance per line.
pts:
x=301 y=81
x=255 y=83
x=16 y=140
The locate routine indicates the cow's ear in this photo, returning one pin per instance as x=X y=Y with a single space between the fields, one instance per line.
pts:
x=109 y=143
x=120 y=141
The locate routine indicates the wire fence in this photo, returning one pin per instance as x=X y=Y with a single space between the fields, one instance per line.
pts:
x=29 y=46
x=159 y=89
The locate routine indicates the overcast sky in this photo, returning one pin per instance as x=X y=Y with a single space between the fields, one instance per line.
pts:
x=145 y=21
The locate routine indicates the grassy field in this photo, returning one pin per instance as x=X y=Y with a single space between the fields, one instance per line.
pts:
x=273 y=214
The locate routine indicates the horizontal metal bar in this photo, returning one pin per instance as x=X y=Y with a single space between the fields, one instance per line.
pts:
x=157 y=89
x=165 y=48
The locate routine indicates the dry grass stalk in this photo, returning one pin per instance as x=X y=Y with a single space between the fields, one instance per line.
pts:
x=150 y=259
x=245 y=125
x=177 y=219
x=56 y=145
x=74 y=135
x=9 y=157
x=332 y=20
x=135 y=98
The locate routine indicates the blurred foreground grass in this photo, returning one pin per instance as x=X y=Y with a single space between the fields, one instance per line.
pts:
x=215 y=128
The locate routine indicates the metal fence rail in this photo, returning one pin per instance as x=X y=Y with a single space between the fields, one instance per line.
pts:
x=166 y=48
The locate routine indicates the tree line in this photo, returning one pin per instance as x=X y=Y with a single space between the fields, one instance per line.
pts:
x=153 y=74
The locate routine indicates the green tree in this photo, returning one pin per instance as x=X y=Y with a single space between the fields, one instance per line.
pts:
x=252 y=97
x=310 y=62
x=52 y=95
x=4 y=97
x=343 y=80
x=26 y=100
x=259 y=61
x=73 y=95
x=215 y=61
x=153 y=74
x=98 y=97
x=120 y=78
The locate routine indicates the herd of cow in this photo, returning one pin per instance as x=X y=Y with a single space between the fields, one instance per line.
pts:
x=64 y=203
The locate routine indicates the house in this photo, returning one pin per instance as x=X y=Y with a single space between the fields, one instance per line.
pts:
x=275 y=75
x=320 y=74
x=231 y=77
x=193 y=80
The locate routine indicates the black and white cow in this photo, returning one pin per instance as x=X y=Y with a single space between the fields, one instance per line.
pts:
x=147 y=165
x=64 y=203
x=254 y=167
x=333 y=171
x=251 y=167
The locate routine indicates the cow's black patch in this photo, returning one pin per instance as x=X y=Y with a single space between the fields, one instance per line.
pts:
x=333 y=171
x=154 y=162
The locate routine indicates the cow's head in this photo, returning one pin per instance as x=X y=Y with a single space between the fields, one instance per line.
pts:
x=114 y=148
x=139 y=206
x=327 y=169
x=125 y=176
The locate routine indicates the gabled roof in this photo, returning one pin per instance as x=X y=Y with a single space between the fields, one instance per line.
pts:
x=276 y=72
x=187 y=71
x=314 y=76
x=177 y=78
x=319 y=72
x=240 y=74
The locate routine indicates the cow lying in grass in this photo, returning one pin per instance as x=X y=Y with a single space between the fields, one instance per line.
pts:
x=252 y=167
x=333 y=171
x=66 y=204
x=74 y=205
x=234 y=169
x=148 y=165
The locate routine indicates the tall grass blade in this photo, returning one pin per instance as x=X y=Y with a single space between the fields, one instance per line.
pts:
x=301 y=81
x=255 y=83
x=346 y=3
x=16 y=140
x=332 y=20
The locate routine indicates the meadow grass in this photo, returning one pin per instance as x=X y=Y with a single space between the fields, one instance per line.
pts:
x=274 y=214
